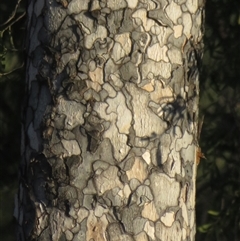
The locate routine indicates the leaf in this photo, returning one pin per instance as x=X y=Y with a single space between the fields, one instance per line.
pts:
x=213 y=213
x=205 y=228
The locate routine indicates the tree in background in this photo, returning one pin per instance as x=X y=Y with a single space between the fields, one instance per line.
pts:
x=110 y=120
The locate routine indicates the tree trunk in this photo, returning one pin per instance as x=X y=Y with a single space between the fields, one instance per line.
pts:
x=110 y=120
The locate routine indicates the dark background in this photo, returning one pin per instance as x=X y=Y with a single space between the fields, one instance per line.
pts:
x=218 y=182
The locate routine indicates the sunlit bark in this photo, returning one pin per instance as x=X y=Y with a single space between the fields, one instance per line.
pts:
x=110 y=120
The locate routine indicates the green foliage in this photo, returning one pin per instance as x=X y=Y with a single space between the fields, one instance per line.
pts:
x=205 y=228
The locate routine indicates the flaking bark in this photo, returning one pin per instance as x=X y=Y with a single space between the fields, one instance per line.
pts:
x=110 y=120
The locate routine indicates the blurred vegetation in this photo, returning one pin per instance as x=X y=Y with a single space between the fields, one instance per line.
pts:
x=12 y=24
x=218 y=181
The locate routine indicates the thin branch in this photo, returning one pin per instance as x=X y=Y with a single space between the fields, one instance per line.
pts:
x=11 y=23
x=4 y=74
x=13 y=14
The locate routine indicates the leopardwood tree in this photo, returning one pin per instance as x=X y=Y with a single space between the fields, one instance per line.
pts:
x=109 y=144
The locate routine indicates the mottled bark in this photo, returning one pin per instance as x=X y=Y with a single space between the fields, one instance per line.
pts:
x=110 y=120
